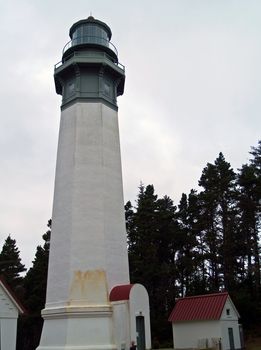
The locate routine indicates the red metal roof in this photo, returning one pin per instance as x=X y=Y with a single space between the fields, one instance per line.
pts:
x=12 y=295
x=200 y=307
x=121 y=292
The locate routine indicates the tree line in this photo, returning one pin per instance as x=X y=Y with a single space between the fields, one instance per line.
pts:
x=208 y=243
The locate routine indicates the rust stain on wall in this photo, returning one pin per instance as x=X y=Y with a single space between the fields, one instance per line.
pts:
x=89 y=287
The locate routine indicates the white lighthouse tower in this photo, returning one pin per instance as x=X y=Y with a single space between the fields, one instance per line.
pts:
x=88 y=251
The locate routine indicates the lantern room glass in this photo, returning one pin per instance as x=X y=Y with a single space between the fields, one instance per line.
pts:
x=90 y=33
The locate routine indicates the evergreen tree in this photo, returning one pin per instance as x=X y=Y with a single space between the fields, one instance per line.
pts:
x=256 y=163
x=196 y=217
x=10 y=263
x=166 y=240
x=151 y=227
x=219 y=205
x=211 y=234
x=142 y=238
x=186 y=244
x=35 y=281
x=191 y=256
x=249 y=181
x=248 y=223
x=256 y=160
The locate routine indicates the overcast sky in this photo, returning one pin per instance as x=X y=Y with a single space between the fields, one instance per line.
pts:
x=193 y=89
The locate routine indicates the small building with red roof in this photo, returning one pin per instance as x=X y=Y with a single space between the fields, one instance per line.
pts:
x=206 y=322
x=131 y=316
x=10 y=308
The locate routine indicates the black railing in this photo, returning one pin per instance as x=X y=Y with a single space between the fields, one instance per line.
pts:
x=87 y=39
x=88 y=55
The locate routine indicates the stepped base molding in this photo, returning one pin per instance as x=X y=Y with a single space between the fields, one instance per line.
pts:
x=77 y=328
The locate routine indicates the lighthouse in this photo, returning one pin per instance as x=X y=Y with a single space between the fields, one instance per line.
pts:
x=88 y=250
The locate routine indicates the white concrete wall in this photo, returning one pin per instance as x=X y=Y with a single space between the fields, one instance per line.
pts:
x=78 y=328
x=124 y=317
x=139 y=306
x=187 y=334
x=88 y=230
x=88 y=250
x=121 y=324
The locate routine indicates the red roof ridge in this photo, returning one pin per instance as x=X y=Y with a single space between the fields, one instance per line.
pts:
x=204 y=295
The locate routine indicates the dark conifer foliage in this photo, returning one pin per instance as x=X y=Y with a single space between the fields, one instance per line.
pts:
x=249 y=183
x=219 y=203
x=35 y=281
x=151 y=226
x=187 y=260
x=11 y=266
x=249 y=218
x=256 y=158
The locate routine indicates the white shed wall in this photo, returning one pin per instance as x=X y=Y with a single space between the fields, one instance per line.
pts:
x=225 y=337
x=233 y=315
x=187 y=334
x=8 y=333
x=7 y=306
x=229 y=321
x=8 y=321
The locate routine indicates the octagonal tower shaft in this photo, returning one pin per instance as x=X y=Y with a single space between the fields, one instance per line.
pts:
x=88 y=251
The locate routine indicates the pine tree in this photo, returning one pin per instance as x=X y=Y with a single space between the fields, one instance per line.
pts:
x=151 y=228
x=142 y=249
x=191 y=256
x=256 y=163
x=166 y=241
x=256 y=159
x=184 y=256
x=35 y=280
x=10 y=263
x=248 y=223
x=219 y=212
x=249 y=181
x=211 y=234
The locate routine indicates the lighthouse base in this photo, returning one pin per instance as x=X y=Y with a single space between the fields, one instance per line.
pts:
x=77 y=328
